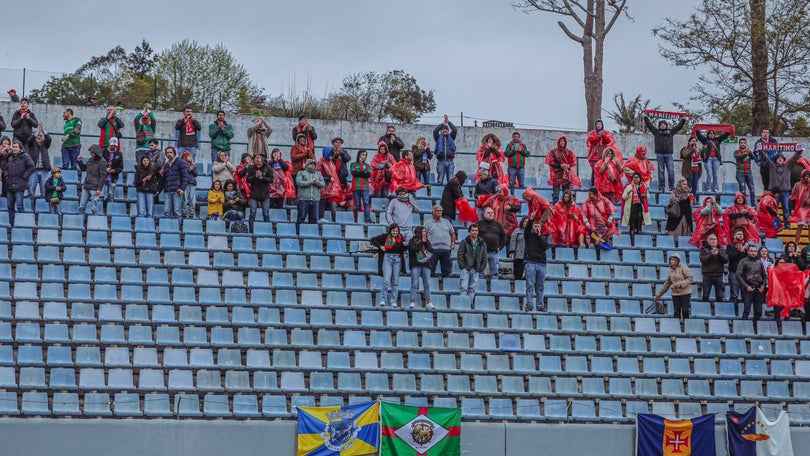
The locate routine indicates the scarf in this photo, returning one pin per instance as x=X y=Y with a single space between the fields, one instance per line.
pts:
x=404 y=198
x=390 y=241
x=695 y=160
x=190 y=127
x=230 y=195
x=55 y=194
x=665 y=115
x=681 y=194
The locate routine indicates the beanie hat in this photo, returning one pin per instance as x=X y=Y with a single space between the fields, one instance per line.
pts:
x=461 y=176
x=302 y=116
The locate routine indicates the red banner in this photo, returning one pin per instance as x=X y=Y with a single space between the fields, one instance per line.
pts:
x=717 y=128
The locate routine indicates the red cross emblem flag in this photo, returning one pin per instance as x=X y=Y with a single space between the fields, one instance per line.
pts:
x=657 y=436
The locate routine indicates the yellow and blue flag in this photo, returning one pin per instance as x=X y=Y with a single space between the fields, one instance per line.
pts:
x=348 y=430
x=657 y=436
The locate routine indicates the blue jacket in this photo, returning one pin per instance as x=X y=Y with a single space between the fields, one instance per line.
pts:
x=175 y=175
x=445 y=147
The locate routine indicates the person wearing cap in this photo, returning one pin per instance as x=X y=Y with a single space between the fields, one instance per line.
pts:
x=779 y=177
x=38 y=151
x=187 y=130
x=341 y=161
x=18 y=170
x=309 y=183
x=220 y=133
x=12 y=95
x=72 y=140
x=23 y=121
x=257 y=137
x=94 y=179
x=189 y=207
x=175 y=178
x=679 y=280
x=392 y=141
x=110 y=126
x=304 y=127
x=115 y=165
x=801 y=205
x=444 y=135
x=145 y=125
x=663 y=138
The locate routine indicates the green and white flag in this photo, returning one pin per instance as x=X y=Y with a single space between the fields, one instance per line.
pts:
x=419 y=431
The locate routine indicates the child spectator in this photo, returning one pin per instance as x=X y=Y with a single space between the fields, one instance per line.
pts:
x=54 y=189
x=216 y=199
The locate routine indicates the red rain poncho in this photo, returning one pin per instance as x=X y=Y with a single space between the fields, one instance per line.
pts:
x=378 y=180
x=506 y=208
x=639 y=163
x=494 y=158
x=609 y=181
x=706 y=225
x=562 y=156
x=767 y=212
x=403 y=174
x=748 y=225
x=538 y=204
x=786 y=287
x=566 y=224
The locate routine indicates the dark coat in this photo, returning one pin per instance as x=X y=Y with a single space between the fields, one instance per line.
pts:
x=150 y=173
x=663 y=138
x=50 y=188
x=712 y=264
x=96 y=168
x=23 y=128
x=18 y=169
x=259 y=185
x=394 y=147
x=464 y=255
x=36 y=149
x=175 y=176
x=452 y=192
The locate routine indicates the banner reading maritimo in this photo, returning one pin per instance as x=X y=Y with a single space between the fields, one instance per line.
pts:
x=413 y=431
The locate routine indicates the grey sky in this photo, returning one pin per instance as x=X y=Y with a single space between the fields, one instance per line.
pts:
x=479 y=56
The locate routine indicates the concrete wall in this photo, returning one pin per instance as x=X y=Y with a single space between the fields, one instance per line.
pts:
x=132 y=437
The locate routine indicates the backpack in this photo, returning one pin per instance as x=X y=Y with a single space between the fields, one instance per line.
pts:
x=239 y=227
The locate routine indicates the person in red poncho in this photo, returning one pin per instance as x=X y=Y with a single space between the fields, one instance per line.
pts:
x=598 y=140
x=490 y=152
x=568 y=228
x=332 y=192
x=743 y=216
x=597 y=213
x=607 y=175
x=539 y=208
x=786 y=288
x=505 y=206
x=241 y=183
x=639 y=163
x=562 y=164
x=282 y=185
x=403 y=174
x=768 y=213
x=801 y=209
x=707 y=221
x=381 y=171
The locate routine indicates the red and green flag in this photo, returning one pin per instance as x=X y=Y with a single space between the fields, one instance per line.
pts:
x=420 y=431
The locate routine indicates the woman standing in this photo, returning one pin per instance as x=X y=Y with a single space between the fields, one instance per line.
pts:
x=421 y=157
x=146 y=186
x=517 y=248
x=420 y=251
x=391 y=245
x=682 y=196
x=636 y=207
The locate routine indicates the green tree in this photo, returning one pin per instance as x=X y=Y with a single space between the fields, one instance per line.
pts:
x=629 y=116
x=379 y=97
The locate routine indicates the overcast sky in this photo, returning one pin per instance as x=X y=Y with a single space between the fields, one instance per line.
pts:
x=480 y=57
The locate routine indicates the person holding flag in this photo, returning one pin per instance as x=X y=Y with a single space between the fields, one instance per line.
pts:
x=712 y=156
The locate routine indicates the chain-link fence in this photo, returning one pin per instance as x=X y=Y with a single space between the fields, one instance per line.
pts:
x=22 y=80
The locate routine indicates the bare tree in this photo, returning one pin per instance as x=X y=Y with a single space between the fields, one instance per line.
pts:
x=593 y=20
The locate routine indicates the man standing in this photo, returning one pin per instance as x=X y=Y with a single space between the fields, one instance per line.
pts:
x=663 y=150
x=94 y=180
x=175 y=175
x=23 y=122
x=680 y=280
x=445 y=137
x=187 y=129
x=495 y=237
x=145 y=124
x=257 y=138
x=394 y=142
x=736 y=251
x=712 y=261
x=451 y=193
x=471 y=256
x=71 y=141
x=110 y=126
x=12 y=95
x=156 y=155
x=442 y=237
x=534 y=266
x=753 y=280
x=18 y=170
x=342 y=160
x=743 y=156
x=765 y=138
x=516 y=154
x=38 y=151
x=221 y=133
x=400 y=210
x=304 y=127
x=309 y=183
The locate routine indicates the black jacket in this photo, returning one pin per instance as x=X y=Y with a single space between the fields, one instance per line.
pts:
x=18 y=169
x=493 y=234
x=23 y=128
x=36 y=149
x=452 y=192
x=536 y=246
x=184 y=140
x=751 y=273
x=96 y=168
x=117 y=164
x=150 y=175
x=258 y=185
x=485 y=187
x=663 y=138
x=465 y=255
x=50 y=188
x=712 y=264
x=414 y=247
x=734 y=256
x=394 y=147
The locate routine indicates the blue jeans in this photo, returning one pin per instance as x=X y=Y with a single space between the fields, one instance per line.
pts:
x=14 y=201
x=422 y=272
x=735 y=286
x=747 y=180
x=445 y=170
x=254 y=208
x=784 y=198
x=93 y=198
x=555 y=193
x=713 y=281
x=665 y=163
x=109 y=191
x=171 y=208
x=712 y=169
x=193 y=151
x=535 y=283
x=390 y=269
x=37 y=179
x=190 y=200
x=307 y=210
x=517 y=178
x=69 y=156
x=146 y=203
x=423 y=176
x=441 y=256
x=363 y=200
x=694 y=182
x=55 y=209
x=468 y=280
x=493 y=262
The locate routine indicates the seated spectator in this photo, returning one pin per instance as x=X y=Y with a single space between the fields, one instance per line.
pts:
x=641 y=165
x=381 y=171
x=282 y=186
x=607 y=175
x=740 y=215
x=679 y=280
x=707 y=221
x=495 y=238
x=400 y=211
x=223 y=169
x=801 y=200
x=597 y=214
x=562 y=163
x=235 y=200
x=442 y=238
x=505 y=206
x=767 y=219
x=491 y=153
x=391 y=245
x=682 y=196
x=713 y=259
x=472 y=261
x=403 y=174
x=421 y=158
x=517 y=247
x=420 y=253
x=567 y=223
x=216 y=199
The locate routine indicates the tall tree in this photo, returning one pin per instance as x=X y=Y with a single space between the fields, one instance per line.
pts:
x=593 y=20
x=373 y=96
x=723 y=38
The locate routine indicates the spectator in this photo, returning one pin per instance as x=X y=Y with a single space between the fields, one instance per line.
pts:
x=682 y=196
x=763 y=256
x=2 y=124
x=736 y=251
x=445 y=135
x=451 y=194
x=599 y=139
x=222 y=170
x=156 y=156
x=490 y=153
x=216 y=198
x=739 y=215
x=421 y=159
x=768 y=213
x=597 y=215
x=792 y=254
x=282 y=186
x=332 y=193
x=221 y=133
x=517 y=248
x=94 y=180
x=391 y=245
x=393 y=142
x=110 y=126
x=304 y=127
x=486 y=185
x=235 y=200
x=341 y=161
x=13 y=97
x=562 y=164
x=535 y=266
x=259 y=176
x=641 y=165
x=692 y=166
x=764 y=138
x=801 y=200
x=663 y=151
x=472 y=261
x=567 y=222
x=753 y=279
x=403 y=174
x=495 y=238
x=779 y=177
x=175 y=176
x=145 y=126
x=189 y=208
x=636 y=207
x=238 y=177
x=505 y=206
x=38 y=151
x=146 y=186
x=361 y=172
x=712 y=142
x=309 y=183
x=539 y=208
x=187 y=130
x=71 y=141
x=300 y=153
x=54 y=191
x=707 y=221
x=381 y=171
x=115 y=165
x=743 y=157
x=442 y=238
x=18 y=170
x=400 y=211
x=419 y=259
x=5 y=153
x=516 y=154
x=23 y=123
x=258 y=133
x=712 y=264
x=608 y=175
x=679 y=280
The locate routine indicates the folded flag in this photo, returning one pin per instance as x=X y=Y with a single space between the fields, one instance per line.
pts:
x=657 y=436
x=348 y=430
x=420 y=431
x=752 y=434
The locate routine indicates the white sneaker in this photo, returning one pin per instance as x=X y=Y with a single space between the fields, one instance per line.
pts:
x=430 y=306
x=322 y=221
x=393 y=304
x=381 y=304
x=413 y=304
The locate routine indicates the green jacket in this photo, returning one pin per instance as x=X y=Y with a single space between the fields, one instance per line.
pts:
x=309 y=190
x=220 y=139
x=73 y=131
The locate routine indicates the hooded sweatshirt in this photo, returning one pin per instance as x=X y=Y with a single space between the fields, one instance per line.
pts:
x=680 y=279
